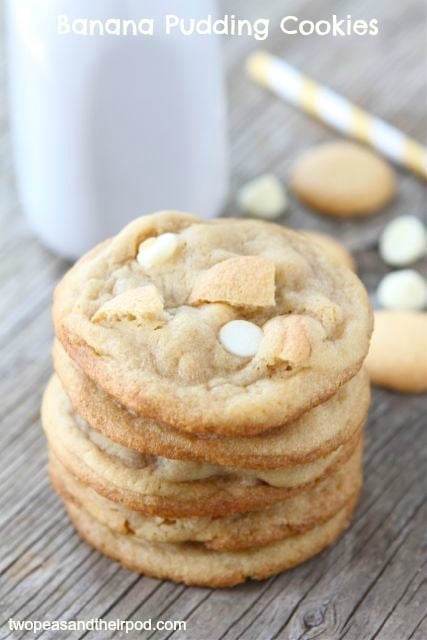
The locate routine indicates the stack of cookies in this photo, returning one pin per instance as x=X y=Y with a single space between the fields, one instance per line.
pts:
x=205 y=421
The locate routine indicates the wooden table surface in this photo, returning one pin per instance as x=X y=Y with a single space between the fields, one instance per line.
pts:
x=373 y=582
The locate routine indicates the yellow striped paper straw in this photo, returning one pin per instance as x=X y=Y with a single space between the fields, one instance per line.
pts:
x=336 y=111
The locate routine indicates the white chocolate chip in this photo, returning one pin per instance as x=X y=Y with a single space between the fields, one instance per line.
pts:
x=404 y=289
x=403 y=241
x=241 y=338
x=264 y=197
x=155 y=251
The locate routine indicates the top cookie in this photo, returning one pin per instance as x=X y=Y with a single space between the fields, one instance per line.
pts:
x=228 y=326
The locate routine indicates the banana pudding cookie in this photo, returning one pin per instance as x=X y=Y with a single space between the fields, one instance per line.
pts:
x=228 y=327
x=314 y=435
x=296 y=514
x=165 y=487
x=193 y=564
x=205 y=420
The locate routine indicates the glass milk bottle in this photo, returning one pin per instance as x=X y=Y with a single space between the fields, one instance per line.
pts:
x=109 y=127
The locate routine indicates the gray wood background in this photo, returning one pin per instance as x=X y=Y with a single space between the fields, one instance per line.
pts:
x=373 y=582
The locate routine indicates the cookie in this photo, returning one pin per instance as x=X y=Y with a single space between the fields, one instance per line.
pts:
x=397 y=357
x=193 y=564
x=334 y=249
x=255 y=528
x=310 y=322
x=314 y=435
x=170 y=488
x=343 y=179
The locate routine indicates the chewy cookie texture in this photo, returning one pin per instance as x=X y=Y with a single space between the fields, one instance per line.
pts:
x=161 y=354
x=205 y=423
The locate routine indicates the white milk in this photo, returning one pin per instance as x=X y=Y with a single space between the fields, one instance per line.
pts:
x=106 y=128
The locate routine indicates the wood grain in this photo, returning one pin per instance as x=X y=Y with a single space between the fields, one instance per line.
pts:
x=373 y=583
